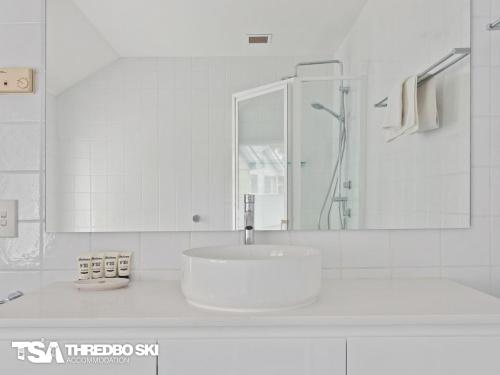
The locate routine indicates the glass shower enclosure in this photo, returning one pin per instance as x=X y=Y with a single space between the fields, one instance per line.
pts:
x=296 y=146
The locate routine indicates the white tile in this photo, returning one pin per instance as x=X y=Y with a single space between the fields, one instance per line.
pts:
x=416 y=273
x=163 y=250
x=494 y=42
x=103 y=242
x=474 y=277
x=22 y=252
x=21 y=45
x=19 y=146
x=495 y=191
x=62 y=249
x=365 y=249
x=480 y=191
x=26 y=189
x=481 y=8
x=202 y=239
x=25 y=281
x=55 y=276
x=366 y=273
x=493 y=10
x=415 y=248
x=494 y=145
x=114 y=242
x=480 y=140
x=480 y=42
x=480 y=93
x=495 y=241
x=495 y=281
x=495 y=94
x=272 y=237
x=330 y=274
x=157 y=275
x=467 y=247
x=14 y=11
x=326 y=241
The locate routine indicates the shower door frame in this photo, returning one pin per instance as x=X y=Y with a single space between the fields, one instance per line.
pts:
x=236 y=99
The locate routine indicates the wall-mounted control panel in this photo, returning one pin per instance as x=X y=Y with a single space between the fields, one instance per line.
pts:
x=8 y=218
x=16 y=80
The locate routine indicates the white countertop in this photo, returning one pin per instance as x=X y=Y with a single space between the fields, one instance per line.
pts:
x=342 y=302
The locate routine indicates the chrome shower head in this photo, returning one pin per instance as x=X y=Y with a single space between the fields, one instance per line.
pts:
x=319 y=107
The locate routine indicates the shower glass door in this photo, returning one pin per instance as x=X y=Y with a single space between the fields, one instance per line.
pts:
x=260 y=118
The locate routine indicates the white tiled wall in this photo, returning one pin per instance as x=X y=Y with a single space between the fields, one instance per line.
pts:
x=107 y=134
x=419 y=180
x=470 y=256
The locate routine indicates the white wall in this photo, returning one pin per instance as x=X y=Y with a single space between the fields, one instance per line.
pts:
x=471 y=256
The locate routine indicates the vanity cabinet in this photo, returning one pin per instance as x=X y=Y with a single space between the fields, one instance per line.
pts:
x=423 y=355
x=248 y=356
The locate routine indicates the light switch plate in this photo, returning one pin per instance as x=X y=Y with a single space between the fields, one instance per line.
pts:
x=16 y=80
x=8 y=218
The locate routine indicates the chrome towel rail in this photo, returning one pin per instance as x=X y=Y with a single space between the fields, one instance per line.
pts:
x=455 y=55
x=494 y=25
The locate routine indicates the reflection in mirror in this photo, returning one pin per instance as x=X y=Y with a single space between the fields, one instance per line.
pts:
x=261 y=169
x=159 y=119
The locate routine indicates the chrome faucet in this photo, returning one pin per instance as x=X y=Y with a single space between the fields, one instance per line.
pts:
x=249 y=212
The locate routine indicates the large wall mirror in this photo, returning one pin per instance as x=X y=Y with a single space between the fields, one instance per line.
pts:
x=335 y=114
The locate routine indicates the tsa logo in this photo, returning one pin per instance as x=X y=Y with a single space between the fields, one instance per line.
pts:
x=38 y=351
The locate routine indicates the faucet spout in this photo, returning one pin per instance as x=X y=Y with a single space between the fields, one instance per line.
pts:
x=249 y=216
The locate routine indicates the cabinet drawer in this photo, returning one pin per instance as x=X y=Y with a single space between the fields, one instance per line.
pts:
x=252 y=356
x=424 y=356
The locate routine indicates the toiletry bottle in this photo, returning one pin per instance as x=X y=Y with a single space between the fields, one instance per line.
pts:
x=85 y=267
x=124 y=263
x=110 y=264
x=97 y=266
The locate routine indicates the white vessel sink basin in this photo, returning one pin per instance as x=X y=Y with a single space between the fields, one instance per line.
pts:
x=251 y=278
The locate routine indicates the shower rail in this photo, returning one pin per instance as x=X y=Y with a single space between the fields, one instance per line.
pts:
x=428 y=73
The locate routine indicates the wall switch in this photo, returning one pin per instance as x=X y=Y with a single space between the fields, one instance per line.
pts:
x=8 y=218
x=16 y=80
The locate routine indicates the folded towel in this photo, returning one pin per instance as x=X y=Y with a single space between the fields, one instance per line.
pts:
x=428 y=118
x=409 y=118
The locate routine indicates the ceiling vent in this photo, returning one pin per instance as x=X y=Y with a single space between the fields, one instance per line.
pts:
x=259 y=39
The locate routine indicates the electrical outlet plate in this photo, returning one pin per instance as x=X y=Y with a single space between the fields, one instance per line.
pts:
x=8 y=218
x=16 y=80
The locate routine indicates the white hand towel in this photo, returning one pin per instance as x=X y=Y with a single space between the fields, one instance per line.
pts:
x=428 y=118
x=409 y=109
